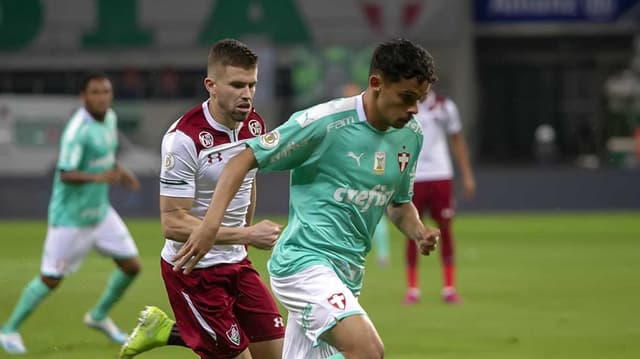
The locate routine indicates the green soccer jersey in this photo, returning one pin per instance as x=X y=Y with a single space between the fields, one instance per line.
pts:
x=86 y=145
x=345 y=173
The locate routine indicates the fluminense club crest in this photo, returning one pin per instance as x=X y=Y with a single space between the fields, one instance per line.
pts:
x=206 y=139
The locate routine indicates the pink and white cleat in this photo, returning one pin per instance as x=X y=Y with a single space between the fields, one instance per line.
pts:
x=413 y=296
x=450 y=295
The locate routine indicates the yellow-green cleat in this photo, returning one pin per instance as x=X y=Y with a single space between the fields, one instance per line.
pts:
x=152 y=331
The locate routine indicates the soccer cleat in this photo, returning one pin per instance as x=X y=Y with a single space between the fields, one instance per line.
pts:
x=450 y=295
x=107 y=327
x=12 y=343
x=152 y=331
x=413 y=296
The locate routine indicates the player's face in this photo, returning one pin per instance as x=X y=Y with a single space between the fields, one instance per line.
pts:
x=398 y=101
x=232 y=90
x=98 y=96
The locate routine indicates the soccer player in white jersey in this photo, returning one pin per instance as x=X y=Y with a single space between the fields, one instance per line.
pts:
x=80 y=216
x=351 y=159
x=433 y=187
x=222 y=309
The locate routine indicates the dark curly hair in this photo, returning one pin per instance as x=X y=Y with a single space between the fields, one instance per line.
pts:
x=401 y=58
x=231 y=52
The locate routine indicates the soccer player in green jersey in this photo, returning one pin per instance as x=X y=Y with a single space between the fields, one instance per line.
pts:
x=80 y=215
x=351 y=159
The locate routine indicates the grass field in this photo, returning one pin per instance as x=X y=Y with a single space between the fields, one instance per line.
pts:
x=534 y=286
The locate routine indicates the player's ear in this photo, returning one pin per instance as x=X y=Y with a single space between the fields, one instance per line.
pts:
x=210 y=85
x=375 y=82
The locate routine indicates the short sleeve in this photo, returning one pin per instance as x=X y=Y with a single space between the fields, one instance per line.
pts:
x=71 y=150
x=405 y=190
x=453 y=122
x=290 y=145
x=179 y=166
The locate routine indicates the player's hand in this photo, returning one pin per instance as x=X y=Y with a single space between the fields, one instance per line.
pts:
x=264 y=234
x=427 y=240
x=196 y=246
x=128 y=179
x=111 y=176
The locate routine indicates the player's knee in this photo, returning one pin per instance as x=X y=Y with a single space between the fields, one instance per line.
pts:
x=131 y=266
x=51 y=282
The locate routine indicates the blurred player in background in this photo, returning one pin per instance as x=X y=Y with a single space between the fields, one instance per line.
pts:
x=222 y=309
x=351 y=159
x=433 y=189
x=80 y=215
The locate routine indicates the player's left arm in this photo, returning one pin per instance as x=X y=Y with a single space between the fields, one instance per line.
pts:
x=405 y=217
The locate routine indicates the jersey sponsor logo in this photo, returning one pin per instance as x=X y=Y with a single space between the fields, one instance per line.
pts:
x=206 y=139
x=270 y=140
x=255 y=127
x=403 y=160
x=379 y=162
x=377 y=196
x=169 y=161
x=233 y=334
x=288 y=150
x=357 y=158
x=338 y=300
x=340 y=123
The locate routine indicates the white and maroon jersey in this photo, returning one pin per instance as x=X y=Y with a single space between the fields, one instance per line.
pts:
x=439 y=118
x=195 y=149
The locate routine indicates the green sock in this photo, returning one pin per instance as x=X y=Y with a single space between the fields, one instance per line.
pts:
x=118 y=284
x=32 y=295
x=336 y=356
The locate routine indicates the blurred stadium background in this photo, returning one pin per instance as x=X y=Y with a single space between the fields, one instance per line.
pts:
x=549 y=92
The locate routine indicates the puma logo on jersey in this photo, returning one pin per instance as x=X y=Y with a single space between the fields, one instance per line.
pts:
x=357 y=158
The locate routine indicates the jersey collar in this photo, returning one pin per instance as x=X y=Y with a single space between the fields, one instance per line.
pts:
x=213 y=123
x=360 y=108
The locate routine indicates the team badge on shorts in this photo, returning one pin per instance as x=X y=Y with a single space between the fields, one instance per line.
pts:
x=255 y=127
x=403 y=160
x=206 y=139
x=234 y=334
x=338 y=300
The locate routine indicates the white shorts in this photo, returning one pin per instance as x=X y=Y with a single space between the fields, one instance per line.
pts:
x=316 y=300
x=66 y=247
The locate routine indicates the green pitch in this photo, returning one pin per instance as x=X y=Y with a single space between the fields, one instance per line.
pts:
x=534 y=286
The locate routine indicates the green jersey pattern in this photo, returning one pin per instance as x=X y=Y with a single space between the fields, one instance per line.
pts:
x=86 y=145
x=345 y=173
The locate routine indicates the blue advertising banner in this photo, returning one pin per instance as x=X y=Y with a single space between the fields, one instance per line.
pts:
x=492 y=11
